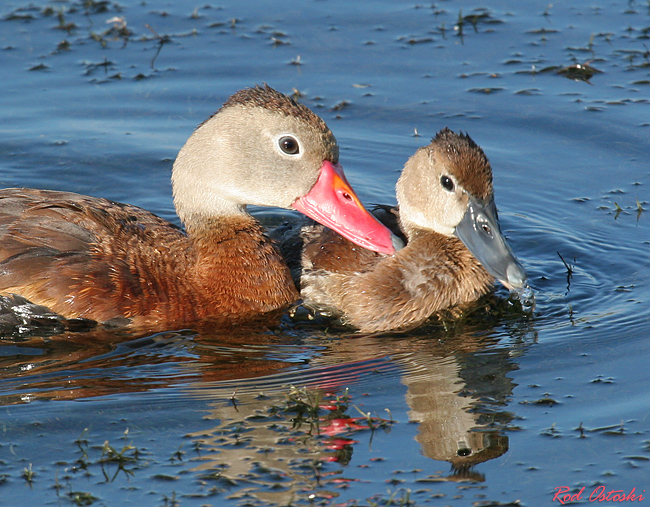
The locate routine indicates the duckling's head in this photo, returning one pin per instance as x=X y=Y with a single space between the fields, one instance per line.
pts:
x=447 y=187
x=438 y=181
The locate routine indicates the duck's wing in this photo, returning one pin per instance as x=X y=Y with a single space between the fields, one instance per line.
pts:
x=67 y=251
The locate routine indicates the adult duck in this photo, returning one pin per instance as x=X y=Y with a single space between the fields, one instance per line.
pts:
x=90 y=258
x=454 y=246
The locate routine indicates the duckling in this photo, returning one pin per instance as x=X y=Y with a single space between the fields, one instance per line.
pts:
x=454 y=249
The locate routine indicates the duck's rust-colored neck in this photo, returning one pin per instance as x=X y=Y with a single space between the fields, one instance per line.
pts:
x=227 y=271
x=238 y=271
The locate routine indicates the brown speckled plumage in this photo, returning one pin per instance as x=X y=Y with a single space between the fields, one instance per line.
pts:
x=379 y=293
x=272 y=100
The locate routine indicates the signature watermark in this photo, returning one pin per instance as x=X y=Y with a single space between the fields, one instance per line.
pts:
x=598 y=494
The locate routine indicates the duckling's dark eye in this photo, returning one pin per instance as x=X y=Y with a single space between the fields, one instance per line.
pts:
x=447 y=183
x=289 y=145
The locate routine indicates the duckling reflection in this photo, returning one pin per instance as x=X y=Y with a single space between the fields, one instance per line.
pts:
x=452 y=425
x=457 y=391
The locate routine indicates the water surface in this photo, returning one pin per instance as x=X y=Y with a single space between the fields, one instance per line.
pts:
x=496 y=409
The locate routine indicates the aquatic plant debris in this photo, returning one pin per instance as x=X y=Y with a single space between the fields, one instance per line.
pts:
x=576 y=72
x=579 y=72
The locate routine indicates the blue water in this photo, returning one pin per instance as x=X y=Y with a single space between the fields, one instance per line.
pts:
x=559 y=398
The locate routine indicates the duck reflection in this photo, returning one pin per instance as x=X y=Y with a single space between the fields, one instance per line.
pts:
x=454 y=425
x=73 y=365
x=275 y=442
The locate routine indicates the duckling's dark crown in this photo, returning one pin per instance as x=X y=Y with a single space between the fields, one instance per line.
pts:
x=466 y=160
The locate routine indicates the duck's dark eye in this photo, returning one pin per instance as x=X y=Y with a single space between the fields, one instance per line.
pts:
x=289 y=145
x=447 y=183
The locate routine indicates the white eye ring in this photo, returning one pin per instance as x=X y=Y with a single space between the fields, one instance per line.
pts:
x=289 y=145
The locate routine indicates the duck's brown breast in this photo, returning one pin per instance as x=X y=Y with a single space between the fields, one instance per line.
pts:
x=93 y=258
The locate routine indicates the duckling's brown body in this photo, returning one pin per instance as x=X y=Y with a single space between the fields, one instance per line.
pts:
x=440 y=185
x=378 y=293
x=85 y=257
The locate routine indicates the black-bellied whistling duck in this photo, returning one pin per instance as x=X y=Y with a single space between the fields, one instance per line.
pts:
x=85 y=257
x=454 y=246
